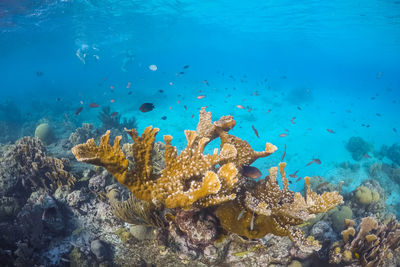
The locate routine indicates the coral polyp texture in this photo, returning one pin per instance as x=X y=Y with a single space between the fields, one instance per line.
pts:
x=193 y=179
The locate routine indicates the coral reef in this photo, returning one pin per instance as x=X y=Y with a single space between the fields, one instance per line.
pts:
x=338 y=217
x=112 y=120
x=81 y=134
x=358 y=147
x=189 y=178
x=372 y=245
x=26 y=165
x=265 y=208
x=393 y=153
x=194 y=180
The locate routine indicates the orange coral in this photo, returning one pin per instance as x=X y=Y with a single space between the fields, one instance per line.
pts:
x=266 y=208
x=191 y=178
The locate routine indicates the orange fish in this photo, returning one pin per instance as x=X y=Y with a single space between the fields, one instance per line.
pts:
x=112 y=87
x=128 y=85
x=330 y=130
x=269 y=110
x=256 y=93
x=317 y=161
x=170 y=107
x=112 y=100
x=311 y=162
x=255 y=130
x=192 y=115
x=200 y=96
x=282 y=135
x=178 y=101
x=298 y=179
x=292 y=120
x=93 y=105
x=240 y=106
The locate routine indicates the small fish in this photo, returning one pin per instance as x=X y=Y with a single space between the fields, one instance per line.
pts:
x=185 y=107
x=170 y=83
x=256 y=93
x=161 y=91
x=378 y=114
x=379 y=75
x=192 y=116
x=330 y=130
x=130 y=92
x=284 y=153
x=186 y=66
x=317 y=161
x=93 y=105
x=298 y=179
x=78 y=110
x=200 y=96
x=255 y=130
x=240 y=106
x=112 y=87
x=269 y=110
x=181 y=73
x=286 y=130
x=112 y=101
x=170 y=108
x=39 y=73
x=114 y=114
x=395 y=130
x=81 y=102
x=146 y=107
x=251 y=172
x=292 y=120
x=311 y=162
x=178 y=101
x=128 y=85
x=164 y=118
x=294 y=175
x=153 y=67
x=283 y=77
x=366 y=156
x=348 y=110
x=299 y=108
x=282 y=135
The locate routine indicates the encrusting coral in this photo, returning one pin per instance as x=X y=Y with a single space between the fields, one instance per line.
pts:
x=190 y=178
x=372 y=245
x=196 y=180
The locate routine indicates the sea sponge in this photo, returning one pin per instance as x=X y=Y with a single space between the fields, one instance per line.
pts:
x=338 y=217
x=365 y=196
x=45 y=133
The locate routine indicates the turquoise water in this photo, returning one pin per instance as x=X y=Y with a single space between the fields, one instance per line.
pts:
x=331 y=65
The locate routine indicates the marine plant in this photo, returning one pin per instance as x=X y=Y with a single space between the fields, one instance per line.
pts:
x=193 y=179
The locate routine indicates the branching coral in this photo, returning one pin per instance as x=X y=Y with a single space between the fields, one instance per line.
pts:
x=193 y=179
x=266 y=208
x=190 y=178
x=370 y=246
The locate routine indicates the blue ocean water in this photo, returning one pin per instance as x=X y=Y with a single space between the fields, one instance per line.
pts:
x=297 y=68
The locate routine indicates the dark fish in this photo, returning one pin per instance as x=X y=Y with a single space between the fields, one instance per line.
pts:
x=186 y=66
x=311 y=162
x=283 y=77
x=378 y=114
x=284 y=153
x=58 y=99
x=161 y=91
x=255 y=130
x=394 y=130
x=330 y=130
x=298 y=179
x=164 y=118
x=251 y=172
x=181 y=73
x=185 y=107
x=299 y=108
x=93 y=105
x=78 y=110
x=114 y=114
x=39 y=73
x=130 y=92
x=146 y=107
